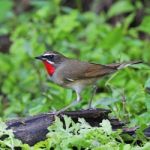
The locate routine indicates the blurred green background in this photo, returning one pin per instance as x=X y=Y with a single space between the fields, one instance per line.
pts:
x=100 y=31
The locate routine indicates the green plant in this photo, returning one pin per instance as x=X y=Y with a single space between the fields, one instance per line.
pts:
x=85 y=35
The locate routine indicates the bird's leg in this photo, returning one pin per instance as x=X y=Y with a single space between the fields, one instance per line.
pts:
x=93 y=93
x=75 y=102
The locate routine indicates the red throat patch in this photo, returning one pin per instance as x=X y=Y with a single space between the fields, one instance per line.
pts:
x=49 y=67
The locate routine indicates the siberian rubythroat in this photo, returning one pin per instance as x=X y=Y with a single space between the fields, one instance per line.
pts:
x=75 y=74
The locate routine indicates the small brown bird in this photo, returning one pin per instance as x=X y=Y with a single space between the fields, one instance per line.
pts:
x=75 y=74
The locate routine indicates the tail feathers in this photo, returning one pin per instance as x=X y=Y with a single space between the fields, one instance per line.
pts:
x=119 y=66
x=126 y=64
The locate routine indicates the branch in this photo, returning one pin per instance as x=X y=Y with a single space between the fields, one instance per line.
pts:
x=33 y=129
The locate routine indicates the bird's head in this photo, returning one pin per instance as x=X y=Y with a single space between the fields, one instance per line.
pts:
x=51 y=60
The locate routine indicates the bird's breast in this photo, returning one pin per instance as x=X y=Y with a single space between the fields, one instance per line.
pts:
x=57 y=78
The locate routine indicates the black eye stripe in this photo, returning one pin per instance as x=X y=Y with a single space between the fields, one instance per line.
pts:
x=48 y=56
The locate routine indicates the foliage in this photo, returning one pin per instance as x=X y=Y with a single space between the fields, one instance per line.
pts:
x=75 y=135
x=7 y=140
x=86 y=35
x=82 y=135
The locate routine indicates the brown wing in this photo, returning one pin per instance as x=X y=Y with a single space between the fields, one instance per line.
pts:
x=76 y=70
x=96 y=70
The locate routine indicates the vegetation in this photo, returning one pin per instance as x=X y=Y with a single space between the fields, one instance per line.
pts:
x=93 y=31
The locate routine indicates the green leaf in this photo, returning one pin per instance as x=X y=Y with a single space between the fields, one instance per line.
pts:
x=5 y=7
x=145 y=25
x=113 y=38
x=120 y=7
x=9 y=141
x=106 y=126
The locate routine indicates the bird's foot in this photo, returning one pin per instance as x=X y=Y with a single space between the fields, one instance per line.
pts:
x=56 y=113
x=51 y=113
x=59 y=112
x=90 y=107
x=66 y=108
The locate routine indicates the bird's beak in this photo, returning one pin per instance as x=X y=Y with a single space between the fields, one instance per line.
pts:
x=39 y=57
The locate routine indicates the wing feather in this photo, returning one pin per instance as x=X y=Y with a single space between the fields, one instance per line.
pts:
x=77 y=70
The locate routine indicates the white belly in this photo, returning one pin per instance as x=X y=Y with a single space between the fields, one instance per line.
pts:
x=79 y=85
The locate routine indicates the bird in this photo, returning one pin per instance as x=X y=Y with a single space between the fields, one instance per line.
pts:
x=77 y=75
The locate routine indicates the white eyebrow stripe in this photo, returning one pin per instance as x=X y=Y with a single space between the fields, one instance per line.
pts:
x=47 y=54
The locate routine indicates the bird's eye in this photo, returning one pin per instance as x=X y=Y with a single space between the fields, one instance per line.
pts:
x=50 y=57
